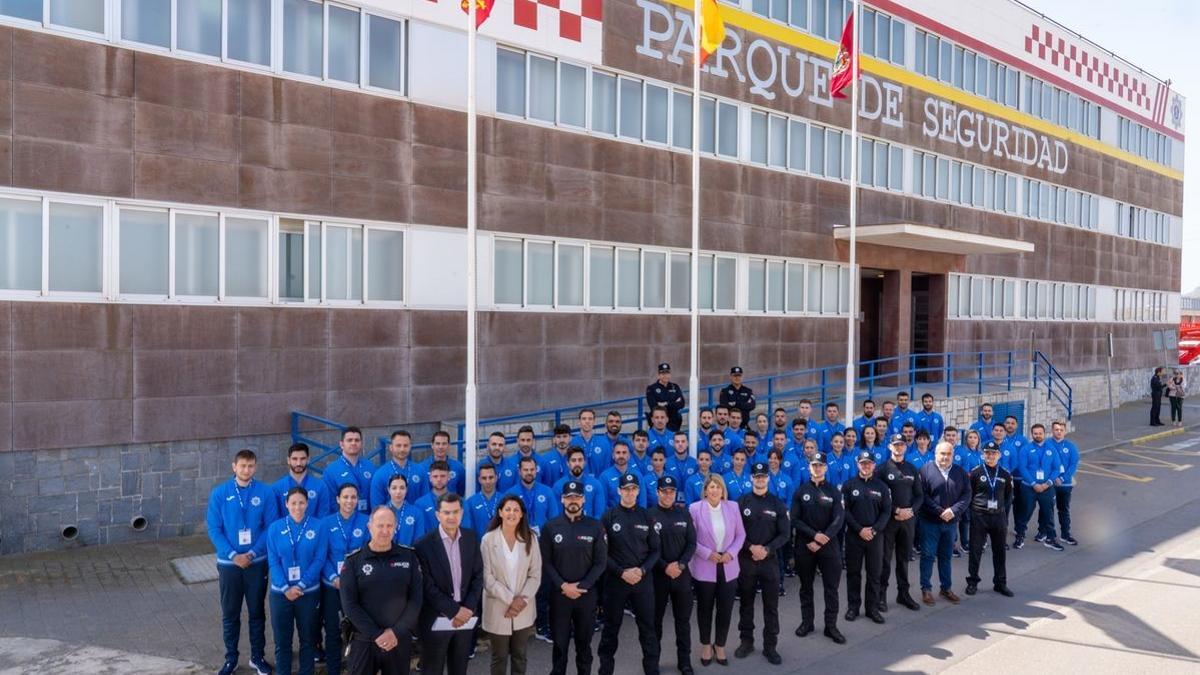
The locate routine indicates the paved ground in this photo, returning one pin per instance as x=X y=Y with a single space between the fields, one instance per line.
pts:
x=1123 y=601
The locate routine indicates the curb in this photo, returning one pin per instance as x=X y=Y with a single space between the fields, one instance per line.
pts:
x=1142 y=439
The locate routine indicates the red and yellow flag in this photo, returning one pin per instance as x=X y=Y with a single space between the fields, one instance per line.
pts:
x=483 y=9
x=712 y=29
x=841 y=75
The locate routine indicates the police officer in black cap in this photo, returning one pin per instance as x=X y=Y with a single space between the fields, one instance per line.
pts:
x=672 y=580
x=574 y=553
x=817 y=519
x=904 y=482
x=991 y=501
x=736 y=395
x=868 y=504
x=633 y=552
x=765 y=519
x=665 y=395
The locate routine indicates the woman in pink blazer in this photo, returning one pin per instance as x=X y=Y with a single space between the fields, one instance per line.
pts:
x=714 y=567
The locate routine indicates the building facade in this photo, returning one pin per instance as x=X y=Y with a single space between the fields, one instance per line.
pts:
x=213 y=212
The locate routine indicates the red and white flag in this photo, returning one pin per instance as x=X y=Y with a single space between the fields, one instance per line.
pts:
x=844 y=70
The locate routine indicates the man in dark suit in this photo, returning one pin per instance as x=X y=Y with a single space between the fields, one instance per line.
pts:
x=452 y=571
x=947 y=489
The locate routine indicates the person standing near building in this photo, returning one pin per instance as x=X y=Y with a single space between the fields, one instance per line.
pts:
x=868 y=506
x=633 y=551
x=480 y=508
x=672 y=579
x=1175 y=392
x=381 y=597
x=346 y=530
x=719 y=536
x=663 y=394
x=899 y=536
x=1068 y=455
x=239 y=512
x=947 y=492
x=320 y=499
x=929 y=420
x=574 y=555
x=991 y=499
x=736 y=395
x=539 y=500
x=595 y=501
x=984 y=424
x=296 y=551
x=512 y=573
x=399 y=462
x=765 y=519
x=439 y=446
x=410 y=522
x=351 y=466
x=452 y=585
x=1157 y=386
x=817 y=518
x=1040 y=468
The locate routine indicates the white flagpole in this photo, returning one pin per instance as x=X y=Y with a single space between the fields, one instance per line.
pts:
x=852 y=321
x=694 y=358
x=471 y=426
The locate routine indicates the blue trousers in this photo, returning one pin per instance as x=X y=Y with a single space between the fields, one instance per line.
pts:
x=1022 y=507
x=248 y=586
x=1045 y=506
x=1062 y=499
x=937 y=543
x=331 y=615
x=289 y=618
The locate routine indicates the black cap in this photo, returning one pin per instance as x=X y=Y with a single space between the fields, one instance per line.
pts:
x=759 y=469
x=898 y=438
x=866 y=456
x=817 y=458
x=736 y=370
x=664 y=367
x=991 y=446
x=667 y=482
x=629 y=479
x=573 y=487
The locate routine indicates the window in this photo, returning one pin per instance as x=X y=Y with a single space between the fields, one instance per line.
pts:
x=654 y=284
x=249 y=31
x=343 y=263
x=631 y=108
x=196 y=254
x=727 y=130
x=30 y=10
x=385 y=265
x=76 y=236
x=543 y=88
x=385 y=66
x=344 y=48
x=681 y=281
x=508 y=272
x=198 y=26
x=681 y=120
x=84 y=15
x=291 y=261
x=600 y=273
x=303 y=33
x=570 y=275
x=144 y=252
x=629 y=278
x=539 y=273
x=795 y=287
x=146 y=21
x=758 y=285
x=604 y=103
x=510 y=82
x=246 y=257
x=21 y=244
x=657 y=110
x=572 y=102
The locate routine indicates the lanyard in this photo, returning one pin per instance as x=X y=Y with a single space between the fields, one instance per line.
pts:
x=237 y=489
x=299 y=535
x=342 y=527
x=991 y=480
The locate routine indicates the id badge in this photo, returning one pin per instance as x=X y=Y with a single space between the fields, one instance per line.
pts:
x=362 y=505
x=993 y=505
x=1041 y=475
x=340 y=564
x=244 y=537
x=294 y=573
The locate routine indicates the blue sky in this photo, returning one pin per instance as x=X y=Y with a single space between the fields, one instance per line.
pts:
x=1159 y=36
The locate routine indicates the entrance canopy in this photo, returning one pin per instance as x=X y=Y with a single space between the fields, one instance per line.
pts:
x=932 y=239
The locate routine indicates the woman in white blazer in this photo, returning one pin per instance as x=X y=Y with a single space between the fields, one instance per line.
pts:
x=512 y=571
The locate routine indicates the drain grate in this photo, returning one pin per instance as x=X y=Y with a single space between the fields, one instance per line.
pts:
x=195 y=569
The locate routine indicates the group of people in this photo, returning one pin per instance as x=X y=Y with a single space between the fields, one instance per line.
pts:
x=1172 y=386
x=561 y=543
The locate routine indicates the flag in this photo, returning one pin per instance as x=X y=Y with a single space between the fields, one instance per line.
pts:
x=712 y=29
x=841 y=75
x=483 y=9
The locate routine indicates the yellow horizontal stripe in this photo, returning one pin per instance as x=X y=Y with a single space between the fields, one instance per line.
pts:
x=790 y=36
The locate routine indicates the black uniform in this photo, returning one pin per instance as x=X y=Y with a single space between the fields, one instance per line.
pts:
x=765 y=519
x=991 y=501
x=573 y=552
x=632 y=542
x=899 y=536
x=818 y=508
x=380 y=591
x=669 y=398
x=868 y=503
x=677 y=543
x=741 y=398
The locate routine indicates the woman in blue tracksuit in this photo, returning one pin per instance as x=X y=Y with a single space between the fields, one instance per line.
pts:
x=296 y=552
x=345 y=530
x=410 y=522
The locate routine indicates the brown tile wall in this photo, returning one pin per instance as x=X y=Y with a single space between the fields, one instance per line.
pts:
x=1079 y=346
x=76 y=375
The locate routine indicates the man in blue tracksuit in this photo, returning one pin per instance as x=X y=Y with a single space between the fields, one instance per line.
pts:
x=480 y=508
x=1011 y=456
x=680 y=464
x=239 y=513
x=868 y=417
x=611 y=478
x=900 y=415
x=594 y=498
x=438 y=481
x=400 y=462
x=929 y=420
x=984 y=424
x=440 y=446
x=595 y=446
x=553 y=463
x=540 y=505
x=525 y=448
x=825 y=430
x=1068 y=457
x=320 y=501
x=1040 y=467
x=658 y=433
x=351 y=467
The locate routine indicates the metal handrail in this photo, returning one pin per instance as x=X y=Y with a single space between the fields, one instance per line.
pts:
x=1057 y=387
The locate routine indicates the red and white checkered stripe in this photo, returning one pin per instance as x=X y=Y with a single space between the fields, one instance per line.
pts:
x=571 y=14
x=1096 y=70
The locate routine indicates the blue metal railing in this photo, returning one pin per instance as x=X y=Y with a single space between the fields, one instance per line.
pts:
x=1057 y=387
x=966 y=371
